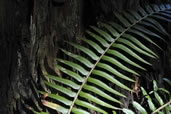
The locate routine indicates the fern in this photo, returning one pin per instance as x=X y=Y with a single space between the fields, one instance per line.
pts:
x=82 y=86
x=165 y=108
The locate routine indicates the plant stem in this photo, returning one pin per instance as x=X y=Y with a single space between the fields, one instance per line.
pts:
x=163 y=106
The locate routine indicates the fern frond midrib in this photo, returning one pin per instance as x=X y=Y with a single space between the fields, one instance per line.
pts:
x=76 y=97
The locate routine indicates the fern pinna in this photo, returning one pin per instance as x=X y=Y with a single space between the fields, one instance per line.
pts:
x=85 y=85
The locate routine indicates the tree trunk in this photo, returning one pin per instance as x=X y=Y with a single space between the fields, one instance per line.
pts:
x=29 y=32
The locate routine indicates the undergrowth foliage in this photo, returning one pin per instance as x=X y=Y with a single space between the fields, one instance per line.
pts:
x=115 y=56
x=150 y=99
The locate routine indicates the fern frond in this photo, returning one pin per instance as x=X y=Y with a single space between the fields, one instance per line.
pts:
x=83 y=85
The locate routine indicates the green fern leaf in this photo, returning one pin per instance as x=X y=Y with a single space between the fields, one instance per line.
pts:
x=115 y=49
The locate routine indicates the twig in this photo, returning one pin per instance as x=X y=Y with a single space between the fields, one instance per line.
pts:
x=161 y=107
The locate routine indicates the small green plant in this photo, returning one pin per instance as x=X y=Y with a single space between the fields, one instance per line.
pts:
x=164 y=106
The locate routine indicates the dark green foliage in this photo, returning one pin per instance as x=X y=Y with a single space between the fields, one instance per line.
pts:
x=164 y=105
x=116 y=54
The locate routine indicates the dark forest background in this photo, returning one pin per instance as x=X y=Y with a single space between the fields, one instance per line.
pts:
x=31 y=32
